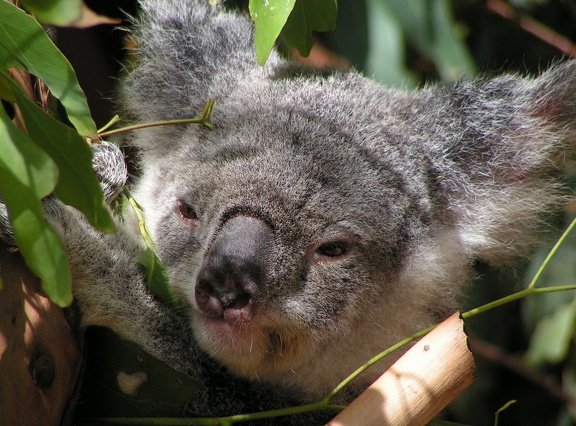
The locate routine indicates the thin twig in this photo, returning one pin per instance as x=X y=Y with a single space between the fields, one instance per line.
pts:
x=518 y=366
x=533 y=26
x=552 y=253
x=203 y=120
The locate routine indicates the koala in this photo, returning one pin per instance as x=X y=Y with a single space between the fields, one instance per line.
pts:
x=322 y=219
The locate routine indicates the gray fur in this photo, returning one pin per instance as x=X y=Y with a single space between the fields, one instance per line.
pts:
x=417 y=185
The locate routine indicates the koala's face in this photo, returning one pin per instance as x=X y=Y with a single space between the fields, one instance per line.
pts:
x=275 y=235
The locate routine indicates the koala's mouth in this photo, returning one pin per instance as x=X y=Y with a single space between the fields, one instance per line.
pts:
x=227 y=332
x=249 y=349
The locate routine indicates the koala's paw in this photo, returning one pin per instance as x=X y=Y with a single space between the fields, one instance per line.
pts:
x=110 y=168
x=6 y=233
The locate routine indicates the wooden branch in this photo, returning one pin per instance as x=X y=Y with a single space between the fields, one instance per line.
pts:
x=419 y=385
x=40 y=356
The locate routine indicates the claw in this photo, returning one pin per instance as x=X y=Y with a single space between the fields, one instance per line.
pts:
x=110 y=168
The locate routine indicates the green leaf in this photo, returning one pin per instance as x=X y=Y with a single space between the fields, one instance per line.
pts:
x=157 y=279
x=430 y=28
x=306 y=17
x=24 y=44
x=26 y=175
x=350 y=37
x=550 y=342
x=6 y=59
x=269 y=18
x=295 y=19
x=450 y=52
x=6 y=91
x=415 y=20
x=386 y=60
x=560 y=270
x=77 y=185
x=55 y=12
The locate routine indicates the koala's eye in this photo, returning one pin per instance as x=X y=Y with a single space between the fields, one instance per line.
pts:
x=187 y=214
x=333 y=249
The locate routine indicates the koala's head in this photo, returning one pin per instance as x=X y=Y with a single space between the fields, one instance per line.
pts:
x=324 y=218
x=290 y=234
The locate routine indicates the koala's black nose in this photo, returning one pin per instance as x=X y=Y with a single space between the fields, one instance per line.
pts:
x=233 y=270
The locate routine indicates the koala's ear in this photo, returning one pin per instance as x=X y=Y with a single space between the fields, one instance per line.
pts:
x=554 y=99
x=504 y=141
x=187 y=52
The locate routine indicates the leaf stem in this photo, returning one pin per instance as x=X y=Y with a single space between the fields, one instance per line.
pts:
x=141 y=223
x=110 y=123
x=203 y=120
x=214 y=421
x=552 y=253
x=515 y=296
x=326 y=399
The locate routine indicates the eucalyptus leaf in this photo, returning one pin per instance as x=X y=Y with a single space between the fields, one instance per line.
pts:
x=386 y=60
x=550 y=342
x=77 y=185
x=450 y=52
x=157 y=279
x=560 y=270
x=6 y=59
x=430 y=28
x=415 y=19
x=55 y=12
x=306 y=17
x=24 y=43
x=350 y=37
x=6 y=91
x=269 y=18
x=26 y=175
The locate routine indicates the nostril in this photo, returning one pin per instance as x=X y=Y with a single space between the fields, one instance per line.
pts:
x=232 y=306
x=239 y=310
x=239 y=302
x=207 y=300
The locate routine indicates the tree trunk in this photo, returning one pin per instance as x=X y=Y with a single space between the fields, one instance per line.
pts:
x=40 y=353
